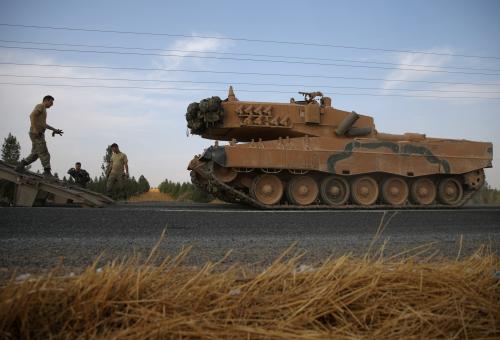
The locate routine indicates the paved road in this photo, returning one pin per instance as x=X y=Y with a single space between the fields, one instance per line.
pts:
x=41 y=237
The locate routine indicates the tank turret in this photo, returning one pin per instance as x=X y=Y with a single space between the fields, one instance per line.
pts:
x=213 y=118
x=308 y=154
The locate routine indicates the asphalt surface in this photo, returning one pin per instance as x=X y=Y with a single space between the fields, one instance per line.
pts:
x=41 y=238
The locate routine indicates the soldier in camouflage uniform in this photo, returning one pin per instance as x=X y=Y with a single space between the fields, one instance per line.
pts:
x=117 y=171
x=80 y=176
x=39 y=149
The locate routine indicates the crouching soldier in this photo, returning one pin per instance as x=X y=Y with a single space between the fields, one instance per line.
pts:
x=80 y=176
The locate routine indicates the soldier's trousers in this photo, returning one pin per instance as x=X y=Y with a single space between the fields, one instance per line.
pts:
x=38 y=150
x=114 y=183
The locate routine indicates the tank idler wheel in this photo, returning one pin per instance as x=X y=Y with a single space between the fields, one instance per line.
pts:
x=423 y=191
x=364 y=190
x=302 y=190
x=450 y=191
x=335 y=190
x=224 y=174
x=395 y=191
x=267 y=189
x=474 y=179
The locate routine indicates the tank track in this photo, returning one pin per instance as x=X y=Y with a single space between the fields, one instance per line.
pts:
x=230 y=194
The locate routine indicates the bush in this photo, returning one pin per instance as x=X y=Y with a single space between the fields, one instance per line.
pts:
x=486 y=195
x=184 y=191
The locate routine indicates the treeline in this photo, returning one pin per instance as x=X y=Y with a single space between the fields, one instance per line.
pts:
x=184 y=191
x=130 y=187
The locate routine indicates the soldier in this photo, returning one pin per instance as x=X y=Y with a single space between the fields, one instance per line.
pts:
x=39 y=149
x=117 y=169
x=80 y=176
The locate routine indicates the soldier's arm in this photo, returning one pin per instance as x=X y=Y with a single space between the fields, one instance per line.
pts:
x=125 y=164
x=71 y=171
x=54 y=130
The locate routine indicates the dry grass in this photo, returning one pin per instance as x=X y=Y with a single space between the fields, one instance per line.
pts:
x=151 y=196
x=408 y=296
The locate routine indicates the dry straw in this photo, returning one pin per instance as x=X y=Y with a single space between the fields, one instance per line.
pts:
x=408 y=296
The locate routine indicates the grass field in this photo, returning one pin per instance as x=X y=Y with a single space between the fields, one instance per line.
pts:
x=154 y=195
x=151 y=196
x=408 y=296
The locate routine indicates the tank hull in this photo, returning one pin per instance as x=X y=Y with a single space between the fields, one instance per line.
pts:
x=358 y=156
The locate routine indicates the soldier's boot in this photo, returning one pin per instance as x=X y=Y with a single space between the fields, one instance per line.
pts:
x=21 y=167
x=47 y=174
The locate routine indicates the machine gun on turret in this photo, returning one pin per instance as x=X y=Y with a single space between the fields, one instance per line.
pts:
x=310 y=96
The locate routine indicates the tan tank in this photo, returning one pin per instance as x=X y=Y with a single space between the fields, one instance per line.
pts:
x=307 y=154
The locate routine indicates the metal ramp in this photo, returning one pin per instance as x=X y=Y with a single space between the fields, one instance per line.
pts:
x=32 y=189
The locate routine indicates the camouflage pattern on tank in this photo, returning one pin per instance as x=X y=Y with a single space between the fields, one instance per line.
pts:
x=308 y=154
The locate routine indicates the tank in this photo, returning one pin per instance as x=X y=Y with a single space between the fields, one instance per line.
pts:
x=308 y=154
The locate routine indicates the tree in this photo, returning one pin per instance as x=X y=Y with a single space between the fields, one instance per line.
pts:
x=98 y=184
x=143 y=184
x=106 y=160
x=11 y=150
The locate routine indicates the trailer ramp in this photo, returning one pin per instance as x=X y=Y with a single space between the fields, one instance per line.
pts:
x=32 y=189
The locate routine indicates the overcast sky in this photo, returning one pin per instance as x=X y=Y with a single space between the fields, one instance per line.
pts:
x=149 y=125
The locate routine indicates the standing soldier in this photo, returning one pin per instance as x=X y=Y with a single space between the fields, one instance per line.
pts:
x=80 y=176
x=39 y=149
x=117 y=169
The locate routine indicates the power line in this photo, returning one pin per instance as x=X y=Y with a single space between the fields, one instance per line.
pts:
x=241 y=90
x=246 y=40
x=244 y=83
x=248 y=59
x=247 y=73
x=245 y=54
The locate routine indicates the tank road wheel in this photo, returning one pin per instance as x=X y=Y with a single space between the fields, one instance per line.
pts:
x=364 y=190
x=224 y=174
x=450 y=191
x=302 y=190
x=423 y=191
x=335 y=190
x=395 y=191
x=267 y=189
